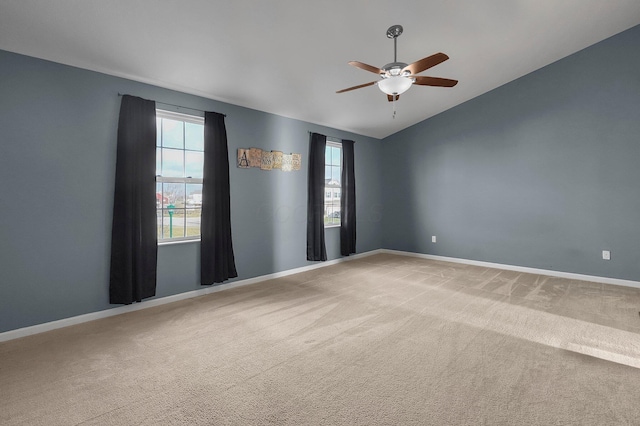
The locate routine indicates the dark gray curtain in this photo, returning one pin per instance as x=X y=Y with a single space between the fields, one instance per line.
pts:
x=133 y=234
x=316 y=249
x=217 y=262
x=348 y=201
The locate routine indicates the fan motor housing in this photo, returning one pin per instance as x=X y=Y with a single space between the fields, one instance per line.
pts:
x=394 y=68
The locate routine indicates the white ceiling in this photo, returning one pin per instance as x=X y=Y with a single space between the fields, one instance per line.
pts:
x=288 y=57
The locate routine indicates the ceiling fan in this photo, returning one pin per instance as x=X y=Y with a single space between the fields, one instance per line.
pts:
x=397 y=77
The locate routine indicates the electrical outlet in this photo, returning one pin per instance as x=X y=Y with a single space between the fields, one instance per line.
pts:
x=606 y=254
x=433 y=239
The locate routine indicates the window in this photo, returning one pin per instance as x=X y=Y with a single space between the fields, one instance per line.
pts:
x=332 y=183
x=179 y=165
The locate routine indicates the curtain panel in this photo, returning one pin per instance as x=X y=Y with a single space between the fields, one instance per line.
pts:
x=348 y=200
x=217 y=262
x=133 y=234
x=316 y=249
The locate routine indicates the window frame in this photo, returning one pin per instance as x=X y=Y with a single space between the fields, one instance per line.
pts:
x=332 y=143
x=183 y=180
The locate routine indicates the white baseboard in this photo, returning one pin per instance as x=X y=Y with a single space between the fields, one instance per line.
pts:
x=559 y=274
x=53 y=325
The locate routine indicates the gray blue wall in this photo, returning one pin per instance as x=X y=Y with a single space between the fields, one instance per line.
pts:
x=57 y=167
x=542 y=172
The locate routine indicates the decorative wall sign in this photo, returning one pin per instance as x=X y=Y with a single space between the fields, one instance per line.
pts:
x=296 y=160
x=243 y=158
x=287 y=162
x=277 y=160
x=268 y=160
x=255 y=157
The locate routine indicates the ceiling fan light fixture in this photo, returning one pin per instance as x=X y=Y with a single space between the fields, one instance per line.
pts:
x=397 y=77
x=395 y=85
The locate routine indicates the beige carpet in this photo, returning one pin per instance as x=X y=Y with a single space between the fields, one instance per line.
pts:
x=383 y=340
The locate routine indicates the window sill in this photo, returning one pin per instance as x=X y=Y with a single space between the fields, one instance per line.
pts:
x=171 y=243
x=332 y=226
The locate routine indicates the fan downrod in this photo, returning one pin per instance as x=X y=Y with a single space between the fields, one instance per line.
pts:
x=394 y=32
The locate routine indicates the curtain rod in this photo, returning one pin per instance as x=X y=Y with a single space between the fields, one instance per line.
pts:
x=174 y=105
x=328 y=136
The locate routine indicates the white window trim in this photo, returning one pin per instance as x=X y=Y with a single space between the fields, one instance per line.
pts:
x=181 y=240
x=178 y=179
x=187 y=118
x=194 y=119
x=336 y=144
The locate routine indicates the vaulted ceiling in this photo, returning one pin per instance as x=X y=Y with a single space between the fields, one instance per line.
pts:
x=289 y=57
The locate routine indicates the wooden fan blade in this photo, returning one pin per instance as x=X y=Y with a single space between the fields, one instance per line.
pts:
x=426 y=63
x=366 y=67
x=390 y=98
x=357 y=87
x=434 y=81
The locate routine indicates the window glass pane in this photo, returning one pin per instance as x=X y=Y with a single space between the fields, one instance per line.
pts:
x=172 y=133
x=335 y=156
x=175 y=223
x=327 y=173
x=194 y=136
x=194 y=195
x=182 y=215
x=327 y=155
x=332 y=216
x=335 y=175
x=193 y=222
x=165 y=224
x=172 y=162
x=159 y=222
x=193 y=163
x=174 y=194
x=158 y=131
x=335 y=217
x=172 y=223
x=158 y=162
x=159 y=196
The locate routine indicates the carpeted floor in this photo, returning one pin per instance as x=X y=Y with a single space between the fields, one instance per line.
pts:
x=382 y=340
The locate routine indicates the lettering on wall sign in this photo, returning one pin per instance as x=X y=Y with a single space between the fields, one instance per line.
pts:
x=243 y=158
x=267 y=160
